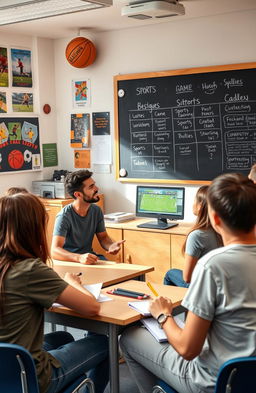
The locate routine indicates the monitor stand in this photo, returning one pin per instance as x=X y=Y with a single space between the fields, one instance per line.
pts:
x=161 y=223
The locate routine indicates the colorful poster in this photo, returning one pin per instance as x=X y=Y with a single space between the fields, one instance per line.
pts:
x=82 y=159
x=19 y=144
x=22 y=102
x=21 y=68
x=80 y=130
x=81 y=93
x=3 y=106
x=3 y=68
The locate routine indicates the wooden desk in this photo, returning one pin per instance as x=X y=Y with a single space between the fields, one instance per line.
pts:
x=114 y=316
x=143 y=246
x=107 y=272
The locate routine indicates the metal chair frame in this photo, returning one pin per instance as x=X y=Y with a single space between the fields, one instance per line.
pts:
x=22 y=373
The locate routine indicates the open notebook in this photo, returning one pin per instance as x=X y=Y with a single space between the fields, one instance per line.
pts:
x=142 y=306
x=152 y=325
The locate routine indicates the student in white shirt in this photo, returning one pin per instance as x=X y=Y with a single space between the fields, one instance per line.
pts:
x=221 y=303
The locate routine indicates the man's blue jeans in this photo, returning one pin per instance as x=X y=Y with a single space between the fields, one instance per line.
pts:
x=174 y=277
x=88 y=355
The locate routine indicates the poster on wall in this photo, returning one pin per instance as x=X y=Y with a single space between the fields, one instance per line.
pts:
x=101 y=123
x=21 y=67
x=3 y=105
x=81 y=93
x=82 y=159
x=80 y=130
x=22 y=102
x=3 y=67
x=101 y=140
x=50 y=154
x=19 y=144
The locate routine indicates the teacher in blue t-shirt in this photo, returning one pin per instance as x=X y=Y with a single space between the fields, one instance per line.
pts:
x=78 y=222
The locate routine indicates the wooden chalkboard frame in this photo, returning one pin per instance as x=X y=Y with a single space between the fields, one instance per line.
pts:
x=158 y=74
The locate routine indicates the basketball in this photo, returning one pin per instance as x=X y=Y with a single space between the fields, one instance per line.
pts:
x=15 y=159
x=46 y=109
x=80 y=52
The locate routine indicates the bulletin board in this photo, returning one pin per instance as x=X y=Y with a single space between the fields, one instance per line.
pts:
x=19 y=144
x=185 y=126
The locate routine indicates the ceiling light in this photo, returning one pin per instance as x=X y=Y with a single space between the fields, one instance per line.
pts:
x=15 y=11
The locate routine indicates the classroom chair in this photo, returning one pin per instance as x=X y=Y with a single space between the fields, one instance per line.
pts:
x=18 y=373
x=235 y=376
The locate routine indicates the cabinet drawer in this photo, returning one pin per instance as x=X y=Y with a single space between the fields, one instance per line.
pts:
x=150 y=249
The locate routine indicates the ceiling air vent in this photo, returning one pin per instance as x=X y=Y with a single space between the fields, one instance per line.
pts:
x=153 y=9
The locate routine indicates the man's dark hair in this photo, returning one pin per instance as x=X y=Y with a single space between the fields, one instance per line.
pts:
x=233 y=197
x=74 y=181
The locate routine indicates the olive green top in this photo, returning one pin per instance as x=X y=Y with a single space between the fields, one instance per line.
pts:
x=29 y=287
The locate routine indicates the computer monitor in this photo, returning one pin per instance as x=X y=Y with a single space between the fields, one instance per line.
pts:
x=162 y=203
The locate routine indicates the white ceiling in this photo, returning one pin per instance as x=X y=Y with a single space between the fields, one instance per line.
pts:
x=110 y=18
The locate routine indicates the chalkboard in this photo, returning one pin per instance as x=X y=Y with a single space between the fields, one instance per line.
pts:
x=185 y=126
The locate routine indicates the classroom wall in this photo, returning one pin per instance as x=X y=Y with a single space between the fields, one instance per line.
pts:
x=44 y=92
x=220 y=39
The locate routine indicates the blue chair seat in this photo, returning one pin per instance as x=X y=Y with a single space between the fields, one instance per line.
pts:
x=18 y=373
x=235 y=376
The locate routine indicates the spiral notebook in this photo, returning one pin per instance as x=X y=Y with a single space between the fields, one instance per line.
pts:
x=153 y=327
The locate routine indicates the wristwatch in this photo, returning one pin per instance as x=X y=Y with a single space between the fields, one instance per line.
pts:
x=162 y=318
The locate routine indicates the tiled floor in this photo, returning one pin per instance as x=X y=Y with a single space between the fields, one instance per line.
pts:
x=127 y=384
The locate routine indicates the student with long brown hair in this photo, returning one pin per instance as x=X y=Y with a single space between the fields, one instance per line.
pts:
x=201 y=239
x=28 y=286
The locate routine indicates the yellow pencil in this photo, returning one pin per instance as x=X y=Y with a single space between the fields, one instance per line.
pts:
x=152 y=289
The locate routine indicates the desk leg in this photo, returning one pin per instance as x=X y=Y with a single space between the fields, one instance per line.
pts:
x=113 y=358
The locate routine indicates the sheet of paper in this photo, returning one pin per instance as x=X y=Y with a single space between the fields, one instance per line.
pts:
x=103 y=298
x=101 y=149
x=141 y=306
x=94 y=289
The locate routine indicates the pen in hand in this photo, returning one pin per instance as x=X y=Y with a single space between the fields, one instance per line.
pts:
x=79 y=274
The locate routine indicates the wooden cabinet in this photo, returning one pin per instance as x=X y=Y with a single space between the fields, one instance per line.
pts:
x=152 y=247
x=177 y=258
x=54 y=206
x=116 y=235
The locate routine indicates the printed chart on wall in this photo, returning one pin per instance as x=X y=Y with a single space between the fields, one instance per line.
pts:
x=186 y=125
x=19 y=144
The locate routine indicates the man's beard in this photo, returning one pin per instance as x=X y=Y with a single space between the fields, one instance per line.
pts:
x=92 y=200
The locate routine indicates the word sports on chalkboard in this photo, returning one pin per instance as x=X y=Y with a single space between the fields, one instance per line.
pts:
x=186 y=125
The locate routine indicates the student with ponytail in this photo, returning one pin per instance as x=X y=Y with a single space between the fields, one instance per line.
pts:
x=201 y=239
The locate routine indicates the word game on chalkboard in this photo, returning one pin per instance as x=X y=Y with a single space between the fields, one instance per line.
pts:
x=186 y=125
